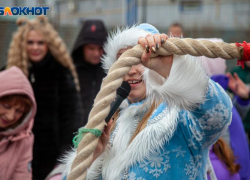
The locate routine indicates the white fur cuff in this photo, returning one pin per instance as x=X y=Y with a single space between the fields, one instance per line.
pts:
x=185 y=87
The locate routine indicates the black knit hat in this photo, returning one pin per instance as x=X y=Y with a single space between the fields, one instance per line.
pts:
x=92 y=32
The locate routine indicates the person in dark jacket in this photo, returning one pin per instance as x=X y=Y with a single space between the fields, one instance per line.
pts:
x=86 y=55
x=41 y=54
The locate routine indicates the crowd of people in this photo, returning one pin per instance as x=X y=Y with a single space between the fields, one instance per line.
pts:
x=185 y=117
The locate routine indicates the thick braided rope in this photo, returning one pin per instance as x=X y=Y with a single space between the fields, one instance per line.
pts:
x=114 y=79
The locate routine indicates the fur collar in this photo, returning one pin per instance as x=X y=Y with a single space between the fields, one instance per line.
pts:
x=123 y=155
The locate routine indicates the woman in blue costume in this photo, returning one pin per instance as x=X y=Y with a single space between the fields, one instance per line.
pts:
x=172 y=116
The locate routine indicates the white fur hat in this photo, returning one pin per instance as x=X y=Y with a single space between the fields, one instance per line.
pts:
x=122 y=38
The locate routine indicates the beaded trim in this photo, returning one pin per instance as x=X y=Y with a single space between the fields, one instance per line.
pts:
x=158 y=117
x=136 y=120
x=113 y=135
x=125 y=176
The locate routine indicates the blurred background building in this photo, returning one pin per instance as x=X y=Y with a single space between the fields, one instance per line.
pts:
x=226 y=19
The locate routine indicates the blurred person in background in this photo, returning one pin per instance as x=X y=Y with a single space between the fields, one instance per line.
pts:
x=17 y=111
x=175 y=30
x=223 y=162
x=86 y=55
x=235 y=135
x=41 y=54
x=244 y=74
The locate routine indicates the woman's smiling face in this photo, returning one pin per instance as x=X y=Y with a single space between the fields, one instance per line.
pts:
x=134 y=78
x=36 y=47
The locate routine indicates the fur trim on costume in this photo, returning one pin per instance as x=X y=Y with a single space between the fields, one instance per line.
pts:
x=123 y=155
x=120 y=39
x=67 y=160
x=185 y=87
x=95 y=170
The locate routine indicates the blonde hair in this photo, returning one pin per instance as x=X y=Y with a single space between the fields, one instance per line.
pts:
x=142 y=124
x=17 y=55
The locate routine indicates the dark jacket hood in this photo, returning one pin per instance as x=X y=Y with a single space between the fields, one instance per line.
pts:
x=92 y=32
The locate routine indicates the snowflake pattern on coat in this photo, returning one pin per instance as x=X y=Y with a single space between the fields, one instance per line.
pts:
x=179 y=152
x=201 y=128
x=132 y=176
x=184 y=156
x=157 y=163
x=193 y=167
x=214 y=118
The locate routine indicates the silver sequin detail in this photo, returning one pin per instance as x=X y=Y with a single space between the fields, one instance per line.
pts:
x=113 y=135
x=136 y=120
x=125 y=176
x=158 y=117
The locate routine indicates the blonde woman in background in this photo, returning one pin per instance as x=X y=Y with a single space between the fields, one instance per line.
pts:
x=41 y=54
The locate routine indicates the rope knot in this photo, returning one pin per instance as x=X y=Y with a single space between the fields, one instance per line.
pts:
x=77 y=139
x=246 y=53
